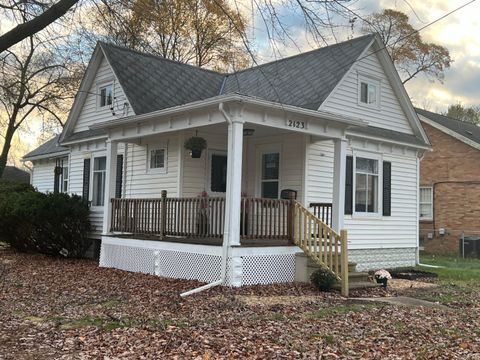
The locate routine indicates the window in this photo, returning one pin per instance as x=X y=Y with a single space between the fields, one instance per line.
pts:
x=157 y=159
x=106 y=95
x=218 y=176
x=366 y=185
x=426 y=203
x=270 y=175
x=65 y=177
x=99 y=171
x=369 y=92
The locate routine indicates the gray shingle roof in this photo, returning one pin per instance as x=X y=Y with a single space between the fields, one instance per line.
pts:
x=51 y=147
x=388 y=134
x=153 y=83
x=11 y=173
x=468 y=130
x=304 y=80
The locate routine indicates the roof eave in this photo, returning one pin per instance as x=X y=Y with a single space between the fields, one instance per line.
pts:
x=347 y=121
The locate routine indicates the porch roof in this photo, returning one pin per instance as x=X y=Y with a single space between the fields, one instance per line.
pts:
x=214 y=103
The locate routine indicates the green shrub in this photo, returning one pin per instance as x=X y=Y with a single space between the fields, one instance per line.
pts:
x=53 y=224
x=323 y=279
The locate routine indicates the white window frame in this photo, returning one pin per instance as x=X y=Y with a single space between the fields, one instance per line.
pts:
x=212 y=152
x=369 y=81
x=152 y=147
x=379 y=159
x=99 y=97
x=268 y=149
x=92 y=171
x=64 y=181
x=420 y=203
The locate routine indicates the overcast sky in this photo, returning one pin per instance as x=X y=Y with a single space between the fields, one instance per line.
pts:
x=459 y=32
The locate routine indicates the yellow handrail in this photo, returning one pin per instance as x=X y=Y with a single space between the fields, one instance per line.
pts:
x=321 y=243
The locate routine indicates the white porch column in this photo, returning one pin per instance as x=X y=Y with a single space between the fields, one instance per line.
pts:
x=234 y=180
x=339 y=169
x=110 y=174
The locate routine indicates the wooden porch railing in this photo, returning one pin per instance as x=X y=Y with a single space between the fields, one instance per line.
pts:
x=320 y=242
x=202 y=217
x=323 y=211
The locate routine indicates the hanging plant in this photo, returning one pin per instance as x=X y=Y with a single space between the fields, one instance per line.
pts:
x=196 y=145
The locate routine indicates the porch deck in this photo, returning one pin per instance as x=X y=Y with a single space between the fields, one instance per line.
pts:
x=212 y=241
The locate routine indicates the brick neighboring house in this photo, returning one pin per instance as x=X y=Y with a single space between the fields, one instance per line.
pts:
x=449 y=183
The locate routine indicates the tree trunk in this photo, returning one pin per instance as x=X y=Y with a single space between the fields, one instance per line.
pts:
x=6 y=148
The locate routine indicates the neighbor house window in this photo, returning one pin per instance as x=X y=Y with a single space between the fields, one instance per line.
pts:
x=270 y=175
x=106 y=95
x=369 y=92
x=99 y=172
x=426 y=203
x=218 y=176
x=366 y=185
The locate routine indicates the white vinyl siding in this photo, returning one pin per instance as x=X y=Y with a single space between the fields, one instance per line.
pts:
x=345 y=98
x=92 y=112
x=43 y=176
x=140 y=182
x=396 y=231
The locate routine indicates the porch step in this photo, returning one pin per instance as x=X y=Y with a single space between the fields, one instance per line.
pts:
x=312 y=263
x=358 y=277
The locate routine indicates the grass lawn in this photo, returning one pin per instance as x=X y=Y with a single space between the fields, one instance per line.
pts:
x=458 y=270
x=72 y=309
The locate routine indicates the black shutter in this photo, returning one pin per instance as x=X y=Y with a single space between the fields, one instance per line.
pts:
x=119 y=178
x=349 y=186
x=56 y=179
x=387 y=188
x=86 y=179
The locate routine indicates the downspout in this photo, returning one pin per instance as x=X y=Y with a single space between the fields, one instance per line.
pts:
x=226 y=237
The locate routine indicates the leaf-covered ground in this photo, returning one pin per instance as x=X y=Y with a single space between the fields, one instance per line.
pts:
x=72 y=309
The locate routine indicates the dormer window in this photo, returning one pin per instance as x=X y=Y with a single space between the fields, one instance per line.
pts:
x=106 y=95
x=368 y=92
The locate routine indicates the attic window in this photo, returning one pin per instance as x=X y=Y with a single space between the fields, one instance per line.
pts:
x=368 y=92
x=106 y=95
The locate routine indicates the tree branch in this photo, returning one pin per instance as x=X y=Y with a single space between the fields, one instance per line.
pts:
x=31 y=27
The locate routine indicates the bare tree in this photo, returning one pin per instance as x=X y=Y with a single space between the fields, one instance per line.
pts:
x=410 y=54
x=32 y=83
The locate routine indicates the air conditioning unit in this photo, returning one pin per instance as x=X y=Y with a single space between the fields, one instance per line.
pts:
x=469 y=246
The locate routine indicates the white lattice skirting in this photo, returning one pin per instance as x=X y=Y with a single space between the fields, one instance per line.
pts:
x=245 y=266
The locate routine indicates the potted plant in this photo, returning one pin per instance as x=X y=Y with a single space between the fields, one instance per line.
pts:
x=196 y=145
x=382 y=277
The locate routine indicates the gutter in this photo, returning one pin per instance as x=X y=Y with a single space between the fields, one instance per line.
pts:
x=226 y=238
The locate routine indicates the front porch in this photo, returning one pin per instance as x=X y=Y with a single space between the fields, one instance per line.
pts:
x=257 y=210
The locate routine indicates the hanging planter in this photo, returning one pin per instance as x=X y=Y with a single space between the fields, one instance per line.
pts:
x=196 y=145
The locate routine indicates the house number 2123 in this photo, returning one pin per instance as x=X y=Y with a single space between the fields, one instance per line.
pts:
x=296 y=124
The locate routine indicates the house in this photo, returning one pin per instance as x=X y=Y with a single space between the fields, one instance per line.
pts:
x=329 y=132
x=14 y=174
x=50 y=166
x=449 y=183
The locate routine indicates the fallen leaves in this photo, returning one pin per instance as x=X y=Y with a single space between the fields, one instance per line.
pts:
x=72 y=309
